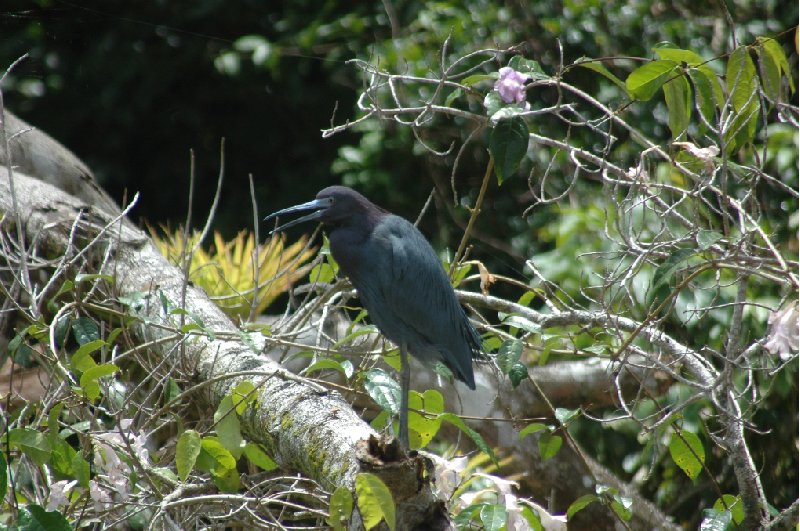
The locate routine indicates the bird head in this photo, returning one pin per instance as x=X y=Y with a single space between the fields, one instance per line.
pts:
x=333 y=206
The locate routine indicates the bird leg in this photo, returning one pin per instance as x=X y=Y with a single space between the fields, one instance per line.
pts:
x=405 y=380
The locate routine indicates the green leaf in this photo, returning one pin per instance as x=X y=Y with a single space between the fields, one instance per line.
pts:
x=734 y=506
x=508 y=354
x=227 y=428
x=643 y=82
x=340 y=509
x=259 y=457
x=324 y=364
x=32 y=443
x=565 y=416
x=677 y=95
x=773 y=49
x=508 y=143
x=422 y=429
x=549 y=445
x=477 y=78
x=85 y=330
x=493 y=517
x=517 y=373
x=244 y=394
x=375 y=501
x=580 y=503
x=533 y=427
x=34 y=518
x=598 y=67
x=517 y=321
x=704 y=96
x=82 y=359
x=622 y=507
x=688 y=453
x=186 y=451
x=528 y=67
x=679 y=55
x=321 y=273
x=707 y=238
x=86 y=277
x=714 y=520
x=456 y=421
x=383 y=389
x=214 y=457
x=80 y=470
x=228 y=481
x=492 y=103
x=90 y=379
x=742 y=85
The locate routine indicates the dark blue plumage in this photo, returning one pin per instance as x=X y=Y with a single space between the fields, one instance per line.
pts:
x=400 y=281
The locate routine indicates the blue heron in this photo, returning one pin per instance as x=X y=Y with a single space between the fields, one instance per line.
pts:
x=400 y=281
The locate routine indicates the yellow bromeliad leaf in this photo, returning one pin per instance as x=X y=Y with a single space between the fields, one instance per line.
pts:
x=227 y=271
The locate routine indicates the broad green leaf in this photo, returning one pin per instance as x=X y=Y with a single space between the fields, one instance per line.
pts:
x=643 y=82
x=688 y=453
x=340 y=509
x=677 y=95
x=34 y=518
x=528 y=67
x=772 y=48
x=80 y=470
x=383 y=389
x=214 y=457
x=707 y=238
x=622 y=507
x=61 y=456
x=186 y=451
x=456 y=421
x=679 y=55
x=32 y=443
x=324 y=364
x=517 y=321
x=492 y=102
x=86 y=277
x=90 y=379
x=259 y=457
x=742 y=84
x=565 y=416
x=533 y=427
x=85 y=330
x=770 y=74
x=227 y=428
x=228 y=481
x=82 y=359
x=322 y=273
x=244 y=394
x=704 y=96
x=508 y=143
x=598 y=67
x=517 y=373
x=714 y=520
x=734 y=506
x=549 y=445
x=375 y=501
x=422 y=429
x=580 y=503
x=509 y=354
x=493 y=517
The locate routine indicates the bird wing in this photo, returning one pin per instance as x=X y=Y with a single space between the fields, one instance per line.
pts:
x=422 y=301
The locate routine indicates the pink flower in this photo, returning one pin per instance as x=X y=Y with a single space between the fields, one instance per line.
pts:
x=511 y=85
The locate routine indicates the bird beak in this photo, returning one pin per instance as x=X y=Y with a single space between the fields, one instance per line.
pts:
x=320 y=206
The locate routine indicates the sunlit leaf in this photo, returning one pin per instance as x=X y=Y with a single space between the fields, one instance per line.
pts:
x=375 y=502
x=688 y=453
x=186 y=451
